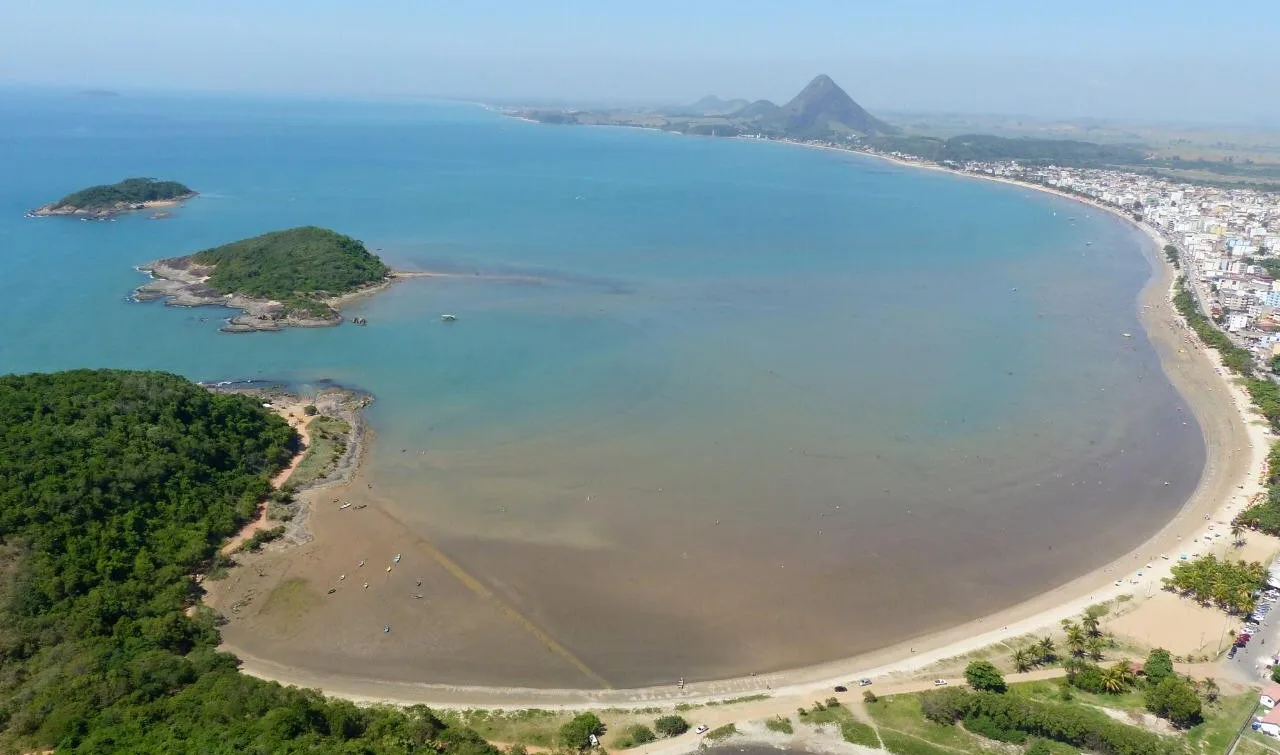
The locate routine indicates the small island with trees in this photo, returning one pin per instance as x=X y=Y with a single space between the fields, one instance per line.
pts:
x=105 y=201
x=296 y=277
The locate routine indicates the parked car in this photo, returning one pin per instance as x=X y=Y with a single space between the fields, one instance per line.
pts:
x=841 y=688
x=939 y=682
x=864 y=682
x=702 y=729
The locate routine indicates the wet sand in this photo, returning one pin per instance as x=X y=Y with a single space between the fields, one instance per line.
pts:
x=465 y=628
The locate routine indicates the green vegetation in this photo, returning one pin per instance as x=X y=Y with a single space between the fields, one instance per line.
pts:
x=1230 y=585
x=780 y=724
x=128 y=191
x=1068 y=724
x=262 y=537
x=984 y=677
x=829 y=712
x=328 y=443
x=987 y=148
x=299 y=267
x=1171 y=254
x=903 y=744
x=1265 y=517
x=1175 y=700
x=1236 y=359
x=721 y=732
x=858 y=733
x=670 y=726
x=577 y=732
x=525 y=727
x=115 y=487
x=1040 y=653
x=635 y=735
x=1159 y=666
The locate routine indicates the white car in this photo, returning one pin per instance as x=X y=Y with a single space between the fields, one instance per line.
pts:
x=939 y=682
x=702 y=729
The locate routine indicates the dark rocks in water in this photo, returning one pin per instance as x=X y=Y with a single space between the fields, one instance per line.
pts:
x=359 y=321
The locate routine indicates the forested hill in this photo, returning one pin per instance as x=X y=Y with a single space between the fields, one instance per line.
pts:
x=130 y=191
x=115 y=487
x=296 y=266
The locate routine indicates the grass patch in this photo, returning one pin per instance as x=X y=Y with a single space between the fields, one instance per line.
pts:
x=901 y=715
x=1221 y=722
x=902 y=744
x=858 y=733
x=328 y=443
x=531 y=727
x=829 y=712
x=736 y=700
x=1048 y=692
x=634 y=736
x=780 y=724
x=721 y=732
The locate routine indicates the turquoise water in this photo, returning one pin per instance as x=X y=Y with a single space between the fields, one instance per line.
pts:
x=812 y=403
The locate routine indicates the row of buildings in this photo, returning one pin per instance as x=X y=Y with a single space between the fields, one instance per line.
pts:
x=1228 y=240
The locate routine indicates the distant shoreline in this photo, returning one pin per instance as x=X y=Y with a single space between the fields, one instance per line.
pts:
x=1235 y=444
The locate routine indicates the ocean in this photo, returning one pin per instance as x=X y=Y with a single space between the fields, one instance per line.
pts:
x=709 y=407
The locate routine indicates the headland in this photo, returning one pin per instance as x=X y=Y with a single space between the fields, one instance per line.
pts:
x=106 y=201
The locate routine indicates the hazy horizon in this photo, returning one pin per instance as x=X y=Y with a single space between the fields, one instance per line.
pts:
x=1143 y=61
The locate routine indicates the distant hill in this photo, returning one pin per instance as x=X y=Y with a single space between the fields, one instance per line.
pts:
x=713 y=105
x=823 y=107
x=760 y=109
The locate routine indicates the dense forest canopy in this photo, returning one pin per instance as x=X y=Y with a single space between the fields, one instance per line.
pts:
x=115 y=487
x=128 y=191
x=293 y=266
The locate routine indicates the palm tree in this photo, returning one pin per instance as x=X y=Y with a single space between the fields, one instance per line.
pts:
x=1022 y=660
x=1067 y=624
x=1211 y=690
x=1118 y=677
x=1045 y=648
x=1096 y=647
x=1075 y=640
x=1090 y=624
x=1237 y=532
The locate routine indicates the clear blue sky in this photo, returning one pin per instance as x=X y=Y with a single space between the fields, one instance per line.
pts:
x=1149 y=59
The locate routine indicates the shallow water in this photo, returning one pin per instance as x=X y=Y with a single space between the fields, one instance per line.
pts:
x=749 y=407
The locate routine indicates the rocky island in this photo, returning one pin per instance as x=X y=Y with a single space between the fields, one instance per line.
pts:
x=99 y=202
x=296 y=277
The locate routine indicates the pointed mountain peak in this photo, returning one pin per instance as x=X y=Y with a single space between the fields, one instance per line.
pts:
x=823 y=106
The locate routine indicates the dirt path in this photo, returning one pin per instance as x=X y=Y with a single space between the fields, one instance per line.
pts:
x=293 y=412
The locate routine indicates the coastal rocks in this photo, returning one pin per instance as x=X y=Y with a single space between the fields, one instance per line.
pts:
x=103 y=212
x=180 y=282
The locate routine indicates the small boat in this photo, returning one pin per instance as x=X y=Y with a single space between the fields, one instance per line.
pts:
x=448 y=318
x=1088 y=243
x=396 y=560
x=386 y=627
x=332 y=590
x=388 y=568
x=344 y=506
x=1127 y=335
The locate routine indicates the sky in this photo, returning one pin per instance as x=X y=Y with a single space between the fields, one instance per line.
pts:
x=1153 y=60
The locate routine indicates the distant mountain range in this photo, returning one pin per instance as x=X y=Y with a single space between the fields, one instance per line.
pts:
x=821 y=110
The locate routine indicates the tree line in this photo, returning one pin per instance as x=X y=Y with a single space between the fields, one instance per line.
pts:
x=116 y=487
x=128 y=191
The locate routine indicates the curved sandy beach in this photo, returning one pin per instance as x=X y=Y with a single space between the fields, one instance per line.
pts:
x=1236 y=443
